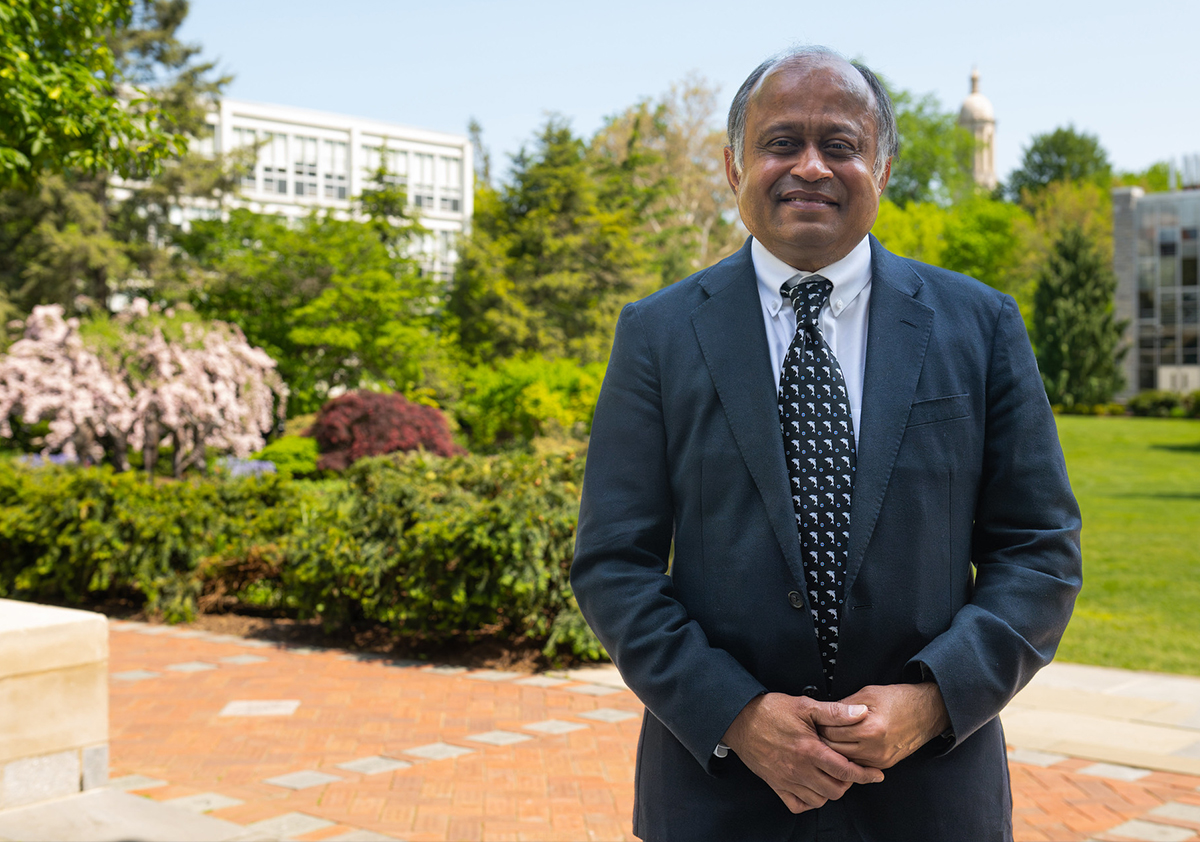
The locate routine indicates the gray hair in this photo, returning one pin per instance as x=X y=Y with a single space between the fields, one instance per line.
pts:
x=887 y=138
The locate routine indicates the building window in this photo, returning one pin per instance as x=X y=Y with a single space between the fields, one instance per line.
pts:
x=304 y=165
x=273 y=156
x=395 y=161
x=423 y=180
x=450 y=179
x=246 y=139
x=334 y=166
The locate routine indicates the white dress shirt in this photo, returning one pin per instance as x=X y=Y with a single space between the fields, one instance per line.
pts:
x=843 y=322
x=843 y=319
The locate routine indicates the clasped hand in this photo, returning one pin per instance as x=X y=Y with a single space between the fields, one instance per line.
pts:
x=811 y=752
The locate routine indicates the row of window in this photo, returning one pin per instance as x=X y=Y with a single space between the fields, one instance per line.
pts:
x=309 y=167
x=1168 y=294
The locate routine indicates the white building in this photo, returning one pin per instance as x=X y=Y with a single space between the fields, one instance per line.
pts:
x=313 y=159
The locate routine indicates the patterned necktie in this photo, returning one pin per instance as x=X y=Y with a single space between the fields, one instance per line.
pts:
x=818 y=440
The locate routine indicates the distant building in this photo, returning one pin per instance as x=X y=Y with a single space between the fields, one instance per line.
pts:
x=978 y=117
x=1155 y=252
x=312 y=159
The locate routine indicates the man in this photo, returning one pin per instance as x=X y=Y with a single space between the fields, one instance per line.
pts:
x=781 y=704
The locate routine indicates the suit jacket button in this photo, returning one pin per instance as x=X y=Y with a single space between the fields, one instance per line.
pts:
x=796 y=599
x=811 y=691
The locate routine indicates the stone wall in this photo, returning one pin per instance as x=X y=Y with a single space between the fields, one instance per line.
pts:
x=53 y=702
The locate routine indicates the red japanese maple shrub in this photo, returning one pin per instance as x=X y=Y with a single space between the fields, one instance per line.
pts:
x=362 y=423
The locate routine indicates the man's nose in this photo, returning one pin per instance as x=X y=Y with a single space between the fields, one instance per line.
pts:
x=810 y=165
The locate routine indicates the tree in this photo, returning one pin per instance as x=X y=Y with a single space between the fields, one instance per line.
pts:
x=984 y=238
x=336 y=301
x=60 y=102
x=1075 y=334
x=1156 y=178
x=552 y=255
x=70 y=234
x=675 y=147
x=127 y=384
x=935 y=160
x=1064 y=154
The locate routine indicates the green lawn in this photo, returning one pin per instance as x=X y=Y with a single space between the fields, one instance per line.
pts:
x=1138 y=484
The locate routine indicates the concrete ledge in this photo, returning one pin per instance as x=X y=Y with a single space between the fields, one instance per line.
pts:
x=53 y=702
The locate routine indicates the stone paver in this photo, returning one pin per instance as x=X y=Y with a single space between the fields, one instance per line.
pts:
x=592 y=689
x=542 y=681
x=498 y=738
x=204 y=802
x=260 y=707
x=241 y=660
x=571 y=777
x=1032 y=757
x=374 y=765
x=438 y=751
x=1151 y=832
x=134 y=675
x=608 y=715
x=1113 y=770
x=302 y=780
x=554 y=726
x=134 y=783
x=285 y=826
x=493 y=675
x=191 y=666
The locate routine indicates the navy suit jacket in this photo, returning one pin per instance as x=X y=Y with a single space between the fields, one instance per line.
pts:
x=964 y=556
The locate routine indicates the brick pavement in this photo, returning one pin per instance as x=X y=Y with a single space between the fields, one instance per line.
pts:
x=520 y=784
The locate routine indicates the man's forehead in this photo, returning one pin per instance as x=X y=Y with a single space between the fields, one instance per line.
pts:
x=829 y=68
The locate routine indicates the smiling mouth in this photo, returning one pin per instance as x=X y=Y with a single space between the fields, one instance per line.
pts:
x=807 y=201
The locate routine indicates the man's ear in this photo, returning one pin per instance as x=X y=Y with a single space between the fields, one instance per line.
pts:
x=731 y=172
x=887 y=173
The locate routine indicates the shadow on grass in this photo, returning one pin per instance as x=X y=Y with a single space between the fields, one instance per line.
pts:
x=1164 y=495
x=1192 y=447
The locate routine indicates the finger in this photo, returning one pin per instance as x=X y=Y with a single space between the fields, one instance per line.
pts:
x=857 y=753
x=843 y=733
x=794 y=804
x=840 y=768
x=836 y=713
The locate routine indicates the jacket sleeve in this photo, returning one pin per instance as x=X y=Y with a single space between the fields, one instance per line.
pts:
x=1025 y=546
x=622 y=556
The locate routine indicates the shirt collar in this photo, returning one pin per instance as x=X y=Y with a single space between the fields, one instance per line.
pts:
x=849 y=276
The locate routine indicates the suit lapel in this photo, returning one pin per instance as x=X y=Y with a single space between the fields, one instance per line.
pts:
x=897 y=336
x=729 y=328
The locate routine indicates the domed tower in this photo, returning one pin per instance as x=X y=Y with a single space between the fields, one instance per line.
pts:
x=979 y=119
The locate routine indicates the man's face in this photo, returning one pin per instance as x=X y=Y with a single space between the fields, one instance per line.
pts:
x=807 y=190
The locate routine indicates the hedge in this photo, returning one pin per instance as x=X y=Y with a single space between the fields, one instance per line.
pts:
x=432 y=548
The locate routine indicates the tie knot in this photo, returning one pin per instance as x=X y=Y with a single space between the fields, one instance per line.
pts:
x=808 y=296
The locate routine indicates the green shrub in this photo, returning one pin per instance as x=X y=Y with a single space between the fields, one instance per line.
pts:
x=442 y=548
x=520 y=400
x=1192 y=403
x=432 y=548
x=66 y=533
x=1155 y=404
x=293 y=456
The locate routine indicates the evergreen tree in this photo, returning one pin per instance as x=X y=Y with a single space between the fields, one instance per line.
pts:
x=552 y=255
x=1075 y=333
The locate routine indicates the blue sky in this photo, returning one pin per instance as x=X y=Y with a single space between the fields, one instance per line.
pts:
x=1125 y=71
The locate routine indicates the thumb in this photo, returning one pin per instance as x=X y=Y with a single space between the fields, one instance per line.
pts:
x=837 y=713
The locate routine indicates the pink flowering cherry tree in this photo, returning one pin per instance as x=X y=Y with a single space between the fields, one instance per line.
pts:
x=143 y=379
